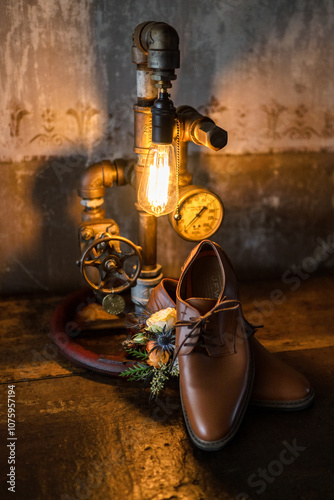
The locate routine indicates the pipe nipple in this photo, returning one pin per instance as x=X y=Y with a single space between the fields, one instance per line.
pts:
x=210 y=135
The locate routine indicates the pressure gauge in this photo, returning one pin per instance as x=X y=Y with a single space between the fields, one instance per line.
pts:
x=200 y=213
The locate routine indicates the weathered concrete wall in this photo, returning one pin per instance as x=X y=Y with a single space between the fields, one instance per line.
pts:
x=263 y=70
x=279 y=215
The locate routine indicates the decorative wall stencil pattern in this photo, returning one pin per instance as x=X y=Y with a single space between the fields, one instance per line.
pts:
x=17 y=113
x=328 y=130
x=82 y=129
x=77 y=130
x=273 y=112
x=48 y=135
x=212 y=107
x=300 y=129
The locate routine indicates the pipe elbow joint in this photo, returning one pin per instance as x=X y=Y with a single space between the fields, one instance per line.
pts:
x=99 y=176
x=96 y=178
x=160 y=43
x=162 y=36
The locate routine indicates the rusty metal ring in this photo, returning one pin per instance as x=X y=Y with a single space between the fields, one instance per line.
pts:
x=60 y=328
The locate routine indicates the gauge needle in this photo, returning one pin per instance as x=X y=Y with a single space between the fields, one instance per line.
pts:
x=196 y=217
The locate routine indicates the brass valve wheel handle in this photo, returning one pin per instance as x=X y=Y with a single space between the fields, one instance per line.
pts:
x=103 y=254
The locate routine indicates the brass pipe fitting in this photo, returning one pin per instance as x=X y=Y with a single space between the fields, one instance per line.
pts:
x=157 y=45
x=200 y=129
x=143 y=129
x=94 y=181
x=96 y=178
x=103 y=174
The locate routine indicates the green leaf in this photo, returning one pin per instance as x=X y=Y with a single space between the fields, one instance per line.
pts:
x=140 y=338
x=139 y=371
x=138 y=354
x=155 y=329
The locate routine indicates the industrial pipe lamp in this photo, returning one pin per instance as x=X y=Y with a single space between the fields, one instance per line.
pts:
x=110 y=263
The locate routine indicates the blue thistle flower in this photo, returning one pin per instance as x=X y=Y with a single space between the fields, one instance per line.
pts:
x=164 y=341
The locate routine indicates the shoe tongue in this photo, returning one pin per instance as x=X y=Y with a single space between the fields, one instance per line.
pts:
x=201 y=304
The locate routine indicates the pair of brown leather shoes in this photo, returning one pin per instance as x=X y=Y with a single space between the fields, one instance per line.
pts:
x=222 y=366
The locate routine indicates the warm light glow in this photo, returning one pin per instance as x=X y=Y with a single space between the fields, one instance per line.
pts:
x=157 y=189
x=157 y=192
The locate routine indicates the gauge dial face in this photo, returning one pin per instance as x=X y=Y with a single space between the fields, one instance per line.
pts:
x=201 y=214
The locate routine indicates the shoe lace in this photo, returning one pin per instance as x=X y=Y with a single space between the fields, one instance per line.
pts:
x=201 y=327
x=250 y=328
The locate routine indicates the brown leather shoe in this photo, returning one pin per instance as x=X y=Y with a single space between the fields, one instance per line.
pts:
x=215 y=360
x=162 y=296
x=276 y=385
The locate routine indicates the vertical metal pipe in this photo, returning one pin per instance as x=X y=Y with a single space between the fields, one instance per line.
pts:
x=146 y=90
x=146 y=95
x=148 y=240
x=155 y=52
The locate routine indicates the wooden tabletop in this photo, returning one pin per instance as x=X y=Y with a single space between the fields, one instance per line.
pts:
x=85 y=435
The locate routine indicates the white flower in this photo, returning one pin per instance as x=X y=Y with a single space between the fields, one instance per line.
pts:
x=163 y=318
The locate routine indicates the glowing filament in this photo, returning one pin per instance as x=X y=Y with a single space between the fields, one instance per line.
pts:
x=157 y=186
x=157 y=192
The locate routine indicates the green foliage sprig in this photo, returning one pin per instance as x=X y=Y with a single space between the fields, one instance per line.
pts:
x=137 y=372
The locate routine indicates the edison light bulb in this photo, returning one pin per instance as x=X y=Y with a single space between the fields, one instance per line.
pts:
x=157 y=192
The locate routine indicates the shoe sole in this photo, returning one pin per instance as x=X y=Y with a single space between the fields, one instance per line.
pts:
x=217 y=445
x=299 y=404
